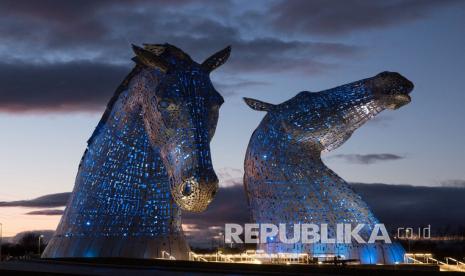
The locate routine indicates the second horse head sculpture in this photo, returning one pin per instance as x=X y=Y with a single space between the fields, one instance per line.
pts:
x=285 y=179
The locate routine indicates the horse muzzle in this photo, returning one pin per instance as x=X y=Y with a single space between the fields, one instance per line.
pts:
x=195 y=193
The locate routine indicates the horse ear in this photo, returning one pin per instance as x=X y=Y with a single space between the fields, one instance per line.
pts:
x=149 y=59
x=258 y=105
x=217 y=59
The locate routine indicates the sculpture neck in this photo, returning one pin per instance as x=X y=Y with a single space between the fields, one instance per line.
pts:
x=271 y=151
x=124 y=176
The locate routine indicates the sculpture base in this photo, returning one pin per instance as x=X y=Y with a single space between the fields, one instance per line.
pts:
x=117 y=247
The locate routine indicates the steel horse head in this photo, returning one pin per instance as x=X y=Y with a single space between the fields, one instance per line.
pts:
x=325 y=120
x=180 y=111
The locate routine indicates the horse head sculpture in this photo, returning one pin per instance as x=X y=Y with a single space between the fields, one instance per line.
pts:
x=148 y=157
x=327 y=119
x=285 y=179
x=180 y=110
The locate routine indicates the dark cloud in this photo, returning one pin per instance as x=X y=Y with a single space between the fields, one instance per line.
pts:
x=108 y=28
x=404 y=205
x=229 y=206
x=275 y=55
x=231 y=88
x=394 y=205
x=71 y=86
x=46 y=201
x=458 y=183
x=367 y=159
x=77 y=61
x=46 y=212
x=340 y=17
x=67 y=86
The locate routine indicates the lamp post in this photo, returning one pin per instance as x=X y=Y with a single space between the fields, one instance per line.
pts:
x=408 y=239
x=40 y=237
x=1 y=239
x=221 y=239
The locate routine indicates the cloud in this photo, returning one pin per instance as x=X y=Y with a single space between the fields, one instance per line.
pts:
x=46 y=201
x=458 y=183
x=229 y=206
x=229 y=177
x=78 y=61
x=46 y=212
x=394 y=205
x=77 y=85
x=70 y=86
x=229 y=89
x=367 y=159
x=415 y=206
x=272 y=55
x=320 y=17
x=109 y=27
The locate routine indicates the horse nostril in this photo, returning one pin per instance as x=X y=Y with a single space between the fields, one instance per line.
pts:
x=409 y=85
x=187 y=189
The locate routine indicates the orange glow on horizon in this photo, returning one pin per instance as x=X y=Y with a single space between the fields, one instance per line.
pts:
x=15 y=220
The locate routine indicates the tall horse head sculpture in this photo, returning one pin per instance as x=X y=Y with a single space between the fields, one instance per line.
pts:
x=285 y=179
x=180 y=111
x=149 y=155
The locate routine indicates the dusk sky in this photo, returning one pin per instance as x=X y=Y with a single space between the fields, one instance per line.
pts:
x=61 y=61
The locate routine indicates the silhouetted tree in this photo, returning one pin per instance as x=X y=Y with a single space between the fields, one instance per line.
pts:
x=30 y=243
x=13 y=250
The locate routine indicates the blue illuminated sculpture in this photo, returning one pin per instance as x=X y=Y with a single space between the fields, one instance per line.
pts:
x=286 y=181
x=148 y=157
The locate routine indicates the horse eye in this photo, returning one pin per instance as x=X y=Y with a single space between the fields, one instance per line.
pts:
x=167 y=104
x=187 y=190
x=163 y=104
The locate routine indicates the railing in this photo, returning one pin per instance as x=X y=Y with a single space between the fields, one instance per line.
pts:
x=433 y=260
x=458 y=263
x=251 y=256
x=449 y=264
x=259 y=256
x=195 y=257
x=418 y=258
x=453 y=265
x=164 y=253
x=415 y=261
x=224 y=257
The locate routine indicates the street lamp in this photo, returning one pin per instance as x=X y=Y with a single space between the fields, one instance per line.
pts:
x=408 y=238
x=1 y=239
x=221 y=239
x=40 y=237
